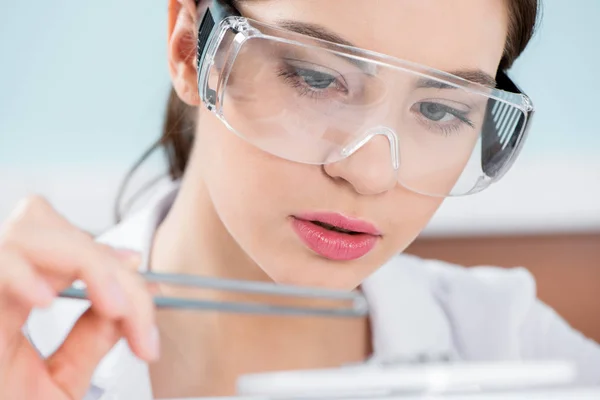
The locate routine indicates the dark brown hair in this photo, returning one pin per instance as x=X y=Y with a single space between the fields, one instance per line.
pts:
x=178 y=129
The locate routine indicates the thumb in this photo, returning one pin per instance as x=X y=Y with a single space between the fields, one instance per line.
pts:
x=72 y=366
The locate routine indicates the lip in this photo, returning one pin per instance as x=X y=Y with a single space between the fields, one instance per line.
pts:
x=334 y=245
x=341 y=221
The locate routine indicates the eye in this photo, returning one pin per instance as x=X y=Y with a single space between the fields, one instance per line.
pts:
x=437 y=112
x=315 y=79
x=311 y=80
x=437 y=116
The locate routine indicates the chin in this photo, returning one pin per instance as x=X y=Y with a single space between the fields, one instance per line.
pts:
x=314 y=271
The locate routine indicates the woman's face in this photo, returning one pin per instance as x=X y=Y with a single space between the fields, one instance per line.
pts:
x=263 y=200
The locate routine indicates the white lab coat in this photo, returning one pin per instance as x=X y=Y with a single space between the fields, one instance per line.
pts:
x=420 y=310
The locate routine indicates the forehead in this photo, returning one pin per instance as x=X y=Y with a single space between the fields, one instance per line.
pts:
x=443 y=34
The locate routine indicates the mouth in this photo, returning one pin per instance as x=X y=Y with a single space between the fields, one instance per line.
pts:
x=335 y=228
x=340 y=223
x=336 y=237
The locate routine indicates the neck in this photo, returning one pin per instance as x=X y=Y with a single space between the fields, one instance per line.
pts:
x=204 y=352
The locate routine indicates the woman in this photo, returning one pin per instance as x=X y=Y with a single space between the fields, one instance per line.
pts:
x=325 y=136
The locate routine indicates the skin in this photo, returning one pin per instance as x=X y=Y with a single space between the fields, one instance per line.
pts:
x=231 y=219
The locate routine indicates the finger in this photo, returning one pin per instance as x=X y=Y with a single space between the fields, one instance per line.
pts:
x=14 y=314
x=72 y=255
x=139 y=318
x=73 y=364
x=20 y=290
x=18 y=278
x=140 y=326
x=48 y=241
x=63 y=253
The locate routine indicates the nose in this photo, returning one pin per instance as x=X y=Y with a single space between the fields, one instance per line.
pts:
x=371 y=164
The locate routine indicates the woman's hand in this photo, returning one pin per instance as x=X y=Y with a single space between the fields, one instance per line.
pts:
x=42 y=254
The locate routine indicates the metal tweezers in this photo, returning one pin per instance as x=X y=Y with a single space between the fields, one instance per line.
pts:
x=358 y=307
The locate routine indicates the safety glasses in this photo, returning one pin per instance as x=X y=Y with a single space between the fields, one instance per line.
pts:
x=317 y=102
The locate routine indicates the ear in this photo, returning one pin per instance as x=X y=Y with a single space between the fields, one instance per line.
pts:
x=182 y=50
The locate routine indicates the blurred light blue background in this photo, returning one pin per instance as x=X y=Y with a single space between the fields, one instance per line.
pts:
x=81 y=81
x=85 y=83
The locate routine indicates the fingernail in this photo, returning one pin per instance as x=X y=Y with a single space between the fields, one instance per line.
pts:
x=153 y=346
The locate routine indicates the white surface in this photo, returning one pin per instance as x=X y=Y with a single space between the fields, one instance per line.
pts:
x=376 y=381
x=556 y=394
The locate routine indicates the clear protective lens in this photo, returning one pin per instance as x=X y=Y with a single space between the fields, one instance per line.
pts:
x=315 y=102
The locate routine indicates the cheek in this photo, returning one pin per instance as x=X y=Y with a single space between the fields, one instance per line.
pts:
x=409 y=213
x=252 y=192
x=239 y=177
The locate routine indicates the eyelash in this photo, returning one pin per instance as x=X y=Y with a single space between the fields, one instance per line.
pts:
x=451 y=128
x=291 y=76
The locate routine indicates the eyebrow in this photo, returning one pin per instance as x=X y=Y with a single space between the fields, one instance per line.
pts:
x=320 y=32
x=314 y=30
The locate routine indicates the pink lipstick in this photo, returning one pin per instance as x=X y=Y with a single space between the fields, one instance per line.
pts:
x=335 y=236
